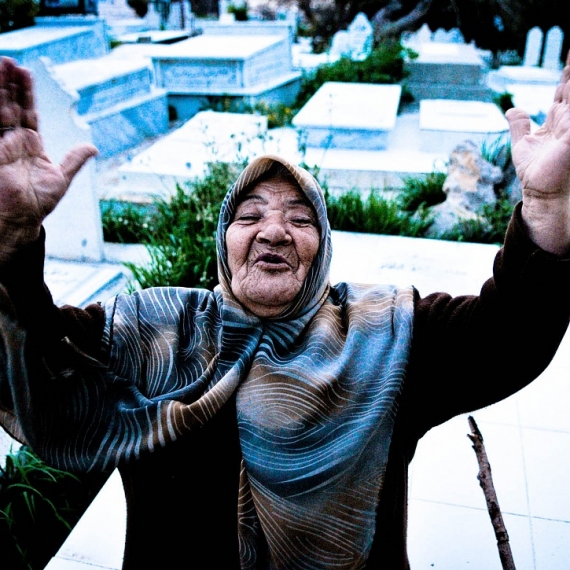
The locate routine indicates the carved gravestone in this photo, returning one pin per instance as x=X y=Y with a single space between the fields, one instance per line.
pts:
x=360 y=32
x=553 y=49
x=533 y=47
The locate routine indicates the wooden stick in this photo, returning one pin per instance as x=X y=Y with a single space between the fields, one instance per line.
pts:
x=486 y=482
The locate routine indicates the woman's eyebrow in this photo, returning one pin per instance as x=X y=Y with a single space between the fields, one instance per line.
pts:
x=254 y=198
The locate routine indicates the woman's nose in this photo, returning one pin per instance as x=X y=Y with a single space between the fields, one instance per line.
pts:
x=274 y=231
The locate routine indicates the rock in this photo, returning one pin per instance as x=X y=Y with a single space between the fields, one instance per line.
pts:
x=469 y=185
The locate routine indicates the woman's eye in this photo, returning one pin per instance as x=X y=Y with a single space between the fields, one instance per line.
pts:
x=302 y=221
x=249 y=217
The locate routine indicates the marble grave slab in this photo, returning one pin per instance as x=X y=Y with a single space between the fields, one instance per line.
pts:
x=349 y=115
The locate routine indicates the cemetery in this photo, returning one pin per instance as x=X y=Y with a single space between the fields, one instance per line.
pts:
x=149 y=104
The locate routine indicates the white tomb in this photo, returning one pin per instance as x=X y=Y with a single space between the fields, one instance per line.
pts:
x=445 y=123
x=507 y=76
x=349 y=115
x=118 y=99
x=447 y=71
x=285 y=28
x=184 y=154
x=60 y=44
x=255 y=68
x=536 y=100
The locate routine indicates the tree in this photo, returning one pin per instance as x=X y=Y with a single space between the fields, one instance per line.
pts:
x=16 y=14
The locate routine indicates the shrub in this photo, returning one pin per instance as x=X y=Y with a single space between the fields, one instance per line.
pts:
x=182 y=244
x=376 y=214
x=39 y=505
x=422 y=191
x=278 y=114
x=125 y=222
x=386 y=64
x=16 y=14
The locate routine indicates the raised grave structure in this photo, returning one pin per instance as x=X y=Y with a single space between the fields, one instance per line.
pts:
x=349 y=115
x=445 y=70
x=284 y=28
x=59 y=44
x=255 y=68
x=446 y=123
x=184 y=154
x=118 y=99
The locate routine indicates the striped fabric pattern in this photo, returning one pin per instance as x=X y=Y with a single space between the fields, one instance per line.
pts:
x=316 y=390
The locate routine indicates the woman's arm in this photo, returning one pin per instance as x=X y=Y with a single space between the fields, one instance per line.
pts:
x=471 y=351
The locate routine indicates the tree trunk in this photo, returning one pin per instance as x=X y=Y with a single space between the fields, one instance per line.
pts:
x=384 y=27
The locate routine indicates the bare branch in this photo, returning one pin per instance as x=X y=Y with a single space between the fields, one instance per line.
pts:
x=486 y=482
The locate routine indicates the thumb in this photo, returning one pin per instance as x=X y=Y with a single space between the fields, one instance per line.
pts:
x=519 y=124
x=74 y=160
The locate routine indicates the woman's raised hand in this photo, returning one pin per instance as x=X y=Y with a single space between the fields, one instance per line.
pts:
x=542 y=162
x=31 y=186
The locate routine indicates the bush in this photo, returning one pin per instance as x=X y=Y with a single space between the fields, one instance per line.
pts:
x=39 y=505
x=349 y=212
x=16 y=14
x=182 y=243
x=124 y=222
x=386 y=64
x=422 y=191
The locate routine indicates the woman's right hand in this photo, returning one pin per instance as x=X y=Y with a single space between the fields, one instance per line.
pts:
x=31 y=186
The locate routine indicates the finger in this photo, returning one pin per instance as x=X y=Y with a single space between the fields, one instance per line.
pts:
x=25 y=98
x=9 y=108
x=74 y=160
x=519 y=124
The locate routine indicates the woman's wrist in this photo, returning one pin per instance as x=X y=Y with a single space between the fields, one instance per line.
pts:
x=547 y=221
x=14 y=238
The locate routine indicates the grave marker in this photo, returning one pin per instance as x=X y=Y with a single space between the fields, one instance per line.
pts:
x=553 y=49
x=349 y=115
x=445 y=123
x=533 y=47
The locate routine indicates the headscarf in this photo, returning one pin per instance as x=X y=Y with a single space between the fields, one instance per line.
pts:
x=316 y=397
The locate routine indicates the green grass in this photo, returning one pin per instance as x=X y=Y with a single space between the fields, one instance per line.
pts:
x=39 y=505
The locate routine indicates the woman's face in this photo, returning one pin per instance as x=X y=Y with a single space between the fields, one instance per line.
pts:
x=271 y=244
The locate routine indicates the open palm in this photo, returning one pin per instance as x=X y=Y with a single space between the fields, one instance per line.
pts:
x=542 y=159
x=31 y=186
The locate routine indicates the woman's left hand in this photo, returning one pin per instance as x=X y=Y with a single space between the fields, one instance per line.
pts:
x=542 y=162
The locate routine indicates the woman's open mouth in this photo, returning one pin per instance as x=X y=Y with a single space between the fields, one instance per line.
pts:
x=272 y=260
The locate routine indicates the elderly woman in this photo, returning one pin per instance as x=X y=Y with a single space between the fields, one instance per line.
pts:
x=268 y=423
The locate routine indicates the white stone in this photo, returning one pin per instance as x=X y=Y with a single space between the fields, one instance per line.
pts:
x=184 y=154
x=447 y=71
x=284 y=28
x=153 y=37
x=212 y=64
x=361 y=34
x=74 y=228
x=533 y=47
x=349 y=115
x=534 y=99
x=118 y=99
x=553 y=49
x=60 y=44
x=507 y=75
x=445 y=123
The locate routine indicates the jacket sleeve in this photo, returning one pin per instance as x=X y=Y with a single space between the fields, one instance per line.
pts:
x=23 y=281
x=472 y=351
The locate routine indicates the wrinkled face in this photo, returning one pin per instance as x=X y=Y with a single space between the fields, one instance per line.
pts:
x=271 y=244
